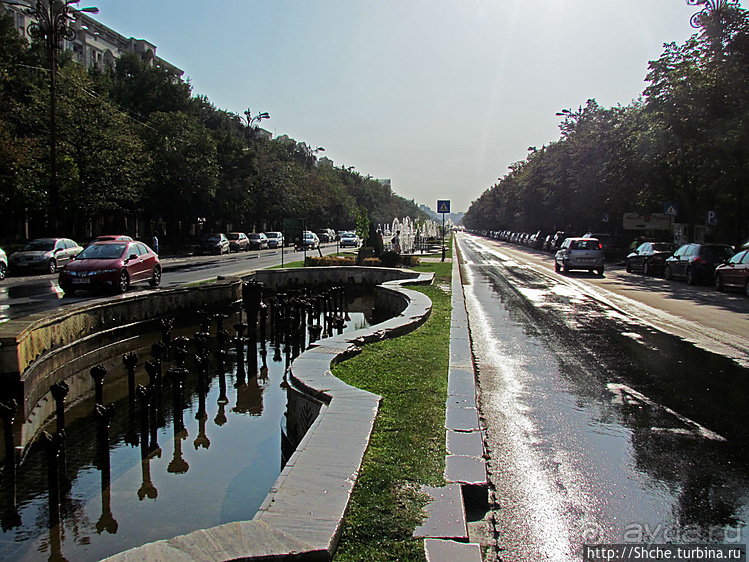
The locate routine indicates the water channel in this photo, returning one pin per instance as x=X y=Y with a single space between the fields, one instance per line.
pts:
x=210 y=463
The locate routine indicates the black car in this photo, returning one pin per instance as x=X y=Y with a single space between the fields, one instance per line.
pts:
x=649 y=258
x=697 y=262
x=213 y=243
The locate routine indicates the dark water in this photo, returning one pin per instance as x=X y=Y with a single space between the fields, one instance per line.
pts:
x=217 y=470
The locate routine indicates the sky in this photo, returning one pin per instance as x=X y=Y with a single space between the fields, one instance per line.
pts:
x=439 y=96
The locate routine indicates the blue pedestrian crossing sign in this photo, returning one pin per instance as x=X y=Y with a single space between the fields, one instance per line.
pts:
x=670 y=209
x=443 y=206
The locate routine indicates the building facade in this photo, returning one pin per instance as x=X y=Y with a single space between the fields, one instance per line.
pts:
x=95 y=45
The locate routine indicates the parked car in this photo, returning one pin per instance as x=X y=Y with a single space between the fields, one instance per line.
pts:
x=579 y=253
x=238 y=242
x=734 y=273
x=111 y=265
x=310 y=241
x=111 y=237
x=47 y=254
x=258 y=241
x=556 y=241
x=213 y=243
x=3 y=264
x=326 y=235
x=275 y=239
x=349 y=240
x=697 y=262
x=649 y=258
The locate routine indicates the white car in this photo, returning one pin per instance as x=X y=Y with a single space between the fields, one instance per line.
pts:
x=580 y=253
x=349 y=240
x=3 y=265
x=275 y=239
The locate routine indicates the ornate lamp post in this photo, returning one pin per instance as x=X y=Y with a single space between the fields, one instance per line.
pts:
x=709 y=6
x=52 y=27
x=252 y=122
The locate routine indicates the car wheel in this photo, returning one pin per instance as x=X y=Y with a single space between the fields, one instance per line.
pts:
x=746 y=288
x=629 y=266
x=123 y=282
x=3 y=271
x=155 y=279
x=667 y=273
x=68 y=291
x=719 y=283
x=690 y=276
x=51 y=266
x=646 y=268
x=556 y=266
x=599 y=271
x=565 y=269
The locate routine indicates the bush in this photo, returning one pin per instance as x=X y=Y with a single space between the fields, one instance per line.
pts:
x=328 y=261
x=390 y=259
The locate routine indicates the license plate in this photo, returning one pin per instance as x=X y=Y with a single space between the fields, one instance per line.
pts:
x=79 y=281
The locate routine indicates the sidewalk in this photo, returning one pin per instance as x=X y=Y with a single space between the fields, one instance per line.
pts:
x=445 y=531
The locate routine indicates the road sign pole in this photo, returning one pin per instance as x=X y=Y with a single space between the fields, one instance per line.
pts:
x=443 y=236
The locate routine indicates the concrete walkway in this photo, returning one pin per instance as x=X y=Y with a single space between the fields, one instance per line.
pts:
x=445 y=530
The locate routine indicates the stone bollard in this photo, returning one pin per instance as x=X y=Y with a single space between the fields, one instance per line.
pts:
x=97 y=373
x=59 y=391
x=130 y=360
x=145 y=397
x=52 y=445
x=106 y=522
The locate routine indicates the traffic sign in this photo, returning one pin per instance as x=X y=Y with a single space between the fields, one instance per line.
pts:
x=671 y=209
x=711 y=218
x=443 y=206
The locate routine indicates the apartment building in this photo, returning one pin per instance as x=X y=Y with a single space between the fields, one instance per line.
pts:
x=95 y=44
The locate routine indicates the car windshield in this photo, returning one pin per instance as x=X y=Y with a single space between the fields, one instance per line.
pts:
x=347 y=235
x=273 y=234
x=39 y=246
x=254 y=236
x=232 y=236
x=661 y=246
x=102 y=252
x=212 y=238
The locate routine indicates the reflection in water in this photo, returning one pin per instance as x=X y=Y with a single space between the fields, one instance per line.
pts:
x=637 y=435
x=116 y=490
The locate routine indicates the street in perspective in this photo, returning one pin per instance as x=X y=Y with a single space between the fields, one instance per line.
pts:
x=608 y=420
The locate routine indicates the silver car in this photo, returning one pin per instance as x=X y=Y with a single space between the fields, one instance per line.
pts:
x=46 y=254
x=3 y=264
x=580 y=253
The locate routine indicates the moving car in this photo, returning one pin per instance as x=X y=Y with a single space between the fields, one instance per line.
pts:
x=734 y=273
x=649 y=258
x=325 y=235
x=275 y=239
x=310 y=241
x=349 y=240
x=3 y=265
x=579 y=253
x=112 y=265
x=47 y=254
x=238 y=242
x=258 y=241
x=697 y=262
x=213 y=243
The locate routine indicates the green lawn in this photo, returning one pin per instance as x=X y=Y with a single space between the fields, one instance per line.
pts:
x=407 y=448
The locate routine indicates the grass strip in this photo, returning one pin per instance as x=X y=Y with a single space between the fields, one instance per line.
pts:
x=407 y=448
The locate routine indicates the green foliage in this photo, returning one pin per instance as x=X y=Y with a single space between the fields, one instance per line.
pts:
x=133 y=142
x=686 y=141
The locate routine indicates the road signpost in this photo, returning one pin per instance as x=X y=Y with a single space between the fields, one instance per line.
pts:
x=443 y=206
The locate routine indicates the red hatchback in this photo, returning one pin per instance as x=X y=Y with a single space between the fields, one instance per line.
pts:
x=112 y=265
x=734 y=273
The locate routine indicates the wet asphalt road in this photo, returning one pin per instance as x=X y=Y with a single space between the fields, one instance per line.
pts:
x=23 y=295
x=600 y=427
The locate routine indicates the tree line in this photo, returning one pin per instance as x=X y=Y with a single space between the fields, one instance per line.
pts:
x=684 y=141
x=138 y=152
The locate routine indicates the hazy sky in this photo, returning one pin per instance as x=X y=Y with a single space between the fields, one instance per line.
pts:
x=438 y=95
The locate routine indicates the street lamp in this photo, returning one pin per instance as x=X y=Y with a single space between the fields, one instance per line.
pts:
x=52 y=27
x=253 y=121
x=709 y=6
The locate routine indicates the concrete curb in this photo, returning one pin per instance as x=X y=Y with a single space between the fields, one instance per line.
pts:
x=465 y=463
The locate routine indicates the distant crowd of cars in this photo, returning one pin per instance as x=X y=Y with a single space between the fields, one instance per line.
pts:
x=117 y=261
x=719 y=264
